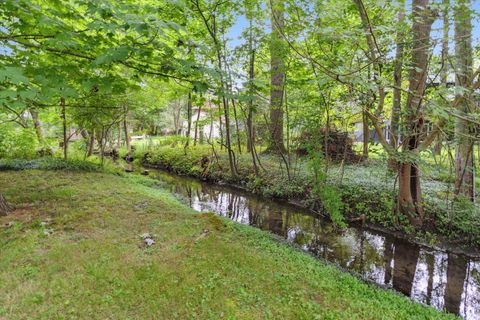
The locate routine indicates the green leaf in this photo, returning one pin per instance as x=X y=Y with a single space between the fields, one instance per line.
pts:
x=13 y=74
x=112 y=55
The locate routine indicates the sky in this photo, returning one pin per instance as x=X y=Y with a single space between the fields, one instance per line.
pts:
x=241 y=24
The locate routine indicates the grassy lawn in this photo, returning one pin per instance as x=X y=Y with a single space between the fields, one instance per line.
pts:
x=73 y=250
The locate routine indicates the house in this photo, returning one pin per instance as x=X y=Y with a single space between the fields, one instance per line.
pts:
x=386 y=129
x=205 y=120
x=358 y=132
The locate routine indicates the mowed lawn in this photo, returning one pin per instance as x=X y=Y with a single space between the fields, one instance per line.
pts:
x=73 y=249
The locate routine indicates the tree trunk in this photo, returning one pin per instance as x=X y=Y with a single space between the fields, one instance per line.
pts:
x=366 y=135
x=37 y=124
x=91 y=143
x=464 y=168
x=237 y=128
x=251 y=77
x=196 y=125
x=189 y=119
x=277 y=77
x=410 y=196
x=64 y=122
x=5 y=208
x=397 y=82
x=127 y=136
x=437 y=150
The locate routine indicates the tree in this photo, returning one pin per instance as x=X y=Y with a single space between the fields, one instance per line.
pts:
x=464 y=160
x=277 y=80
x=410 y=195
x=397 y=76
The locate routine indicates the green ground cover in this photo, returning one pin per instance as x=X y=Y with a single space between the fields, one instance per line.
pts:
x=72 y=249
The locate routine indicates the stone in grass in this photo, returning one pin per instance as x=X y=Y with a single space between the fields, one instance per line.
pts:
x=48 y=232
x=145 y=173
x=147 y=239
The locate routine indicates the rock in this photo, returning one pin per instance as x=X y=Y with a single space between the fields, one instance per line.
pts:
x=147 y=239
x=128 y=170
x=149 y=242
x=145 y=173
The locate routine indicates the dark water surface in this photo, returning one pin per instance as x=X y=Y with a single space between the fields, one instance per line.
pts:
x=446 y=281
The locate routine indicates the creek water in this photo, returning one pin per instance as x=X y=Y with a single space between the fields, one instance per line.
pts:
x=443 y=280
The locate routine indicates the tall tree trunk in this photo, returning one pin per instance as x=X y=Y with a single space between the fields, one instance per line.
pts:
x=91 y=143
x=366 y=134
x=445 y=62
x=196 y=125
x=64 y=123
x=37 y=124
x=410 y=196
x=464 y=168
x=251 y=91
x=397 y=79
x=237 y=128
x=127 y=135
x=211 y=25
x=189 y=121
x=277 y=77
x=119 y=136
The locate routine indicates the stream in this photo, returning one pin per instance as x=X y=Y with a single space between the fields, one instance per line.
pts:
x=443 y=280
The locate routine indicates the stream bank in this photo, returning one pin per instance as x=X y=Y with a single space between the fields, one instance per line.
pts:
x=367 y=197
x=444 y=280
x=74 y=247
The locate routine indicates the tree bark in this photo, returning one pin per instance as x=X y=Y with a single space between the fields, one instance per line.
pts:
x=277 y=77
x=445 y=64
x=366 y=134
x=189 y=119
x=37 y=124
x=251 y=77
x=64 y=123
x=397 y=79
x=196 y=125
x=464 y=160
x=91 y=143
x=127 y=135
x=410 y=196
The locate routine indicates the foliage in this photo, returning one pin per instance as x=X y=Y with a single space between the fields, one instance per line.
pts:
x=17 y=143
x=48 y=164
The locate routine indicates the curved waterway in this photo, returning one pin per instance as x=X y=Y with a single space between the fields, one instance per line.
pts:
x=444 y=280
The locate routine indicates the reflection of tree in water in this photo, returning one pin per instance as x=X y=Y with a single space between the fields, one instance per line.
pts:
x=388 y=259
x=405 y=262
x=456 y=273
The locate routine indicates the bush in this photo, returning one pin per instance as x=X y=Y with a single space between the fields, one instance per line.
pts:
x=48 y=164
x=17 y=142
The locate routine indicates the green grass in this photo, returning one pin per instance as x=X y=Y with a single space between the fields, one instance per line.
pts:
x=92 y=265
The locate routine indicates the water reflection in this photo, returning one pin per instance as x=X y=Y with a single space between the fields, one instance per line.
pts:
x=445 y=281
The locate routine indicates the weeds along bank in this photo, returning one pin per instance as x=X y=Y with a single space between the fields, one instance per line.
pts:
x=364 y=191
